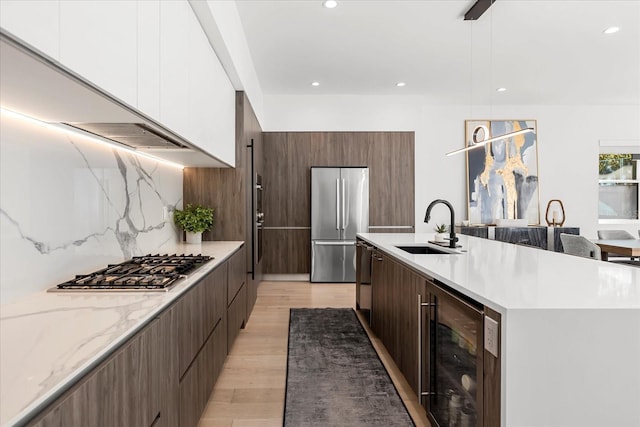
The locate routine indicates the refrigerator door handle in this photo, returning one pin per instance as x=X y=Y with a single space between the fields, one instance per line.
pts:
x=344 y=215
x=337 y=204
x=336 y=243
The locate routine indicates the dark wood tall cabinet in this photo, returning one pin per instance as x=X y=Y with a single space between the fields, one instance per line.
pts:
x=288 y=158
x=229 y=190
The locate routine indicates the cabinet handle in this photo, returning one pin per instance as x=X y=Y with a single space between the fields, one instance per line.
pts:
x=344 y=219
x=420 y=349
x=337 y=204
x=421 y=304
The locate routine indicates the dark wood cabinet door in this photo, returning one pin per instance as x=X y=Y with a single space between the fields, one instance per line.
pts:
x=391 y=162
x=378 y=294
x=287 y=251
x=236 y=316
x=121 y=392
x=237 y=274
x=236 y=296
x=407 y=288
x=197 y=314
x=197 y=383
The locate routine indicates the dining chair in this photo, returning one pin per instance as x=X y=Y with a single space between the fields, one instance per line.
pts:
x=615 y=235
x=579 y=246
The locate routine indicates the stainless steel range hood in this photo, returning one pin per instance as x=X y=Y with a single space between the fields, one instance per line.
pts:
x=34 y=85
x=134 y=135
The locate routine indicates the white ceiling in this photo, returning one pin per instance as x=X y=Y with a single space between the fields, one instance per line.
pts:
x=542 y=51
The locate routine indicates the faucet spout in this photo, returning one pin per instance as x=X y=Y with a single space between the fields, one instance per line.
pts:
x=452 y=234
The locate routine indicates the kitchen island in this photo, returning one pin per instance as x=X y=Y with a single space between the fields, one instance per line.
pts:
x=50 y=341
x=570 y=326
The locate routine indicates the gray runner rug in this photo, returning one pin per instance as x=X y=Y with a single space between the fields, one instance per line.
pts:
x=334 y=376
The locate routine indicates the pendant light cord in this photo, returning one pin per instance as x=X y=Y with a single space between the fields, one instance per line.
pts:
x=491 y=64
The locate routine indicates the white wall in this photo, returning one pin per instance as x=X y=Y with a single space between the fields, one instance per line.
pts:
x=568 y=144
x=69 y=206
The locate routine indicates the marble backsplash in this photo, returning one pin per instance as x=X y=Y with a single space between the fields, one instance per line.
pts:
x=70 y=206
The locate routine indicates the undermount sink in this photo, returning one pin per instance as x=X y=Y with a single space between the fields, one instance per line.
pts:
x=424 y=250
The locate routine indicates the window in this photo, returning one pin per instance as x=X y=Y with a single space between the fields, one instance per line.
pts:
x=618 y=187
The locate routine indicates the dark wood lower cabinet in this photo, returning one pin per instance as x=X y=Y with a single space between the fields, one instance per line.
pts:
x=129 y=389
x=196 y=385
x=394 y=312
x=402 y=324
x=164 y=374
x=197 y=314
x=236 y=297
x=236 y=314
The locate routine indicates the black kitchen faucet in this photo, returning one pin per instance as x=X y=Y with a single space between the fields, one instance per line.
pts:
x=452 y=234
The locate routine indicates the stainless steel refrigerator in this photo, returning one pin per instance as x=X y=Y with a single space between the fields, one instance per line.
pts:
x=339 y=210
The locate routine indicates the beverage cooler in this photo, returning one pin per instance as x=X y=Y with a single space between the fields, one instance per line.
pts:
x=450 y=347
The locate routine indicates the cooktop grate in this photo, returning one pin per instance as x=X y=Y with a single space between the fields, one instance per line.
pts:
x=148 y=273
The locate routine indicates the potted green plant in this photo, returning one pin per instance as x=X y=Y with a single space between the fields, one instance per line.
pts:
x=441 y=230
x=194 y=220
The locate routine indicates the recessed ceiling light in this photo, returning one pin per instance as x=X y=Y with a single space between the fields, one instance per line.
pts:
x=329 y=4
x=501 y=89
x=401 y=84
x=315 y=83
x=611 y=30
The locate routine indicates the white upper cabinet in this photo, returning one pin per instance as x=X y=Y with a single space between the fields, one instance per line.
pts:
x=149 y=58
x=152 y=55
x=174 y=71
x=211 y=98
x=33 y=21
x=98 y=40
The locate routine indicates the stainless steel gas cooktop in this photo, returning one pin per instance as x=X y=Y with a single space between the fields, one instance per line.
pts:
x=141 y=273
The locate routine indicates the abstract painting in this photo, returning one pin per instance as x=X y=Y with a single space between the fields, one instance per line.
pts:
x=502 y=176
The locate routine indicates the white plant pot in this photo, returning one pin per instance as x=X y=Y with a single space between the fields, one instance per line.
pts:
x=194 y=238
x=439 y=237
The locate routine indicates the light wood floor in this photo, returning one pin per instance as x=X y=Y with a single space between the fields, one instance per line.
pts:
x=250 y=389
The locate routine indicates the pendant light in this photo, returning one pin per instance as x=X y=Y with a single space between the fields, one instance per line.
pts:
x=481 y=134
x=475 y=143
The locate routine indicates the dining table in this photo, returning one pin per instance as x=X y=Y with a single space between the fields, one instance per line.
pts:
x=624 y=247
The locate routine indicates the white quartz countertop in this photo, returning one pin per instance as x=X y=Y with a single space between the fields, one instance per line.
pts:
x=569 y=326
x=505 y=276
x=49 y=340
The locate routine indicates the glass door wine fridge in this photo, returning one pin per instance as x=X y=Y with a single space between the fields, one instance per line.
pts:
x=451 y=358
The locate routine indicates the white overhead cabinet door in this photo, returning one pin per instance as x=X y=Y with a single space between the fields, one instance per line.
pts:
x=211 y=98
x=33 y=21
x=152 y=55
x=98 y=40
x=149 y=58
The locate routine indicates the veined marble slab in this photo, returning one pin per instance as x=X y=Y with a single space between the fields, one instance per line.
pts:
x=69 y=205
x=49 y=340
